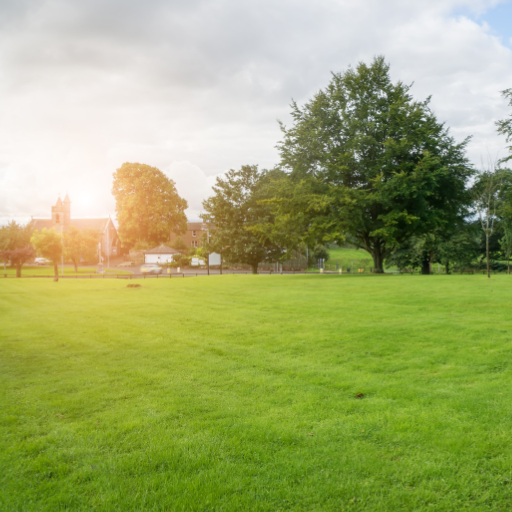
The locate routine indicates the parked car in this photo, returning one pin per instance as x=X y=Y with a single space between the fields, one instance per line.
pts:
x=42 y=261
x=150 y=268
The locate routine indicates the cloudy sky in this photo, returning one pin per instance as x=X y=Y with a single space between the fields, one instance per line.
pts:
x=195 y=87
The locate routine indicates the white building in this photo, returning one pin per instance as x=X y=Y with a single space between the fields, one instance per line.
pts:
x=162 y=254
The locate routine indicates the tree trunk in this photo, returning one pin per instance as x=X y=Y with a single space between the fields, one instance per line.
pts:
x=378 y=262
x=425 y=264
x=18 y=270
x=254 y=268
x=447 y=268
x=508 y=265
x=74 y=263
x=487 y=255
x=56 y=270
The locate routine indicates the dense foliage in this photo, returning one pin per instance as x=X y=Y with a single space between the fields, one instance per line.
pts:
x=15 y=246
x=239 y=204
x=80 y=245
x=148 y=205
x=49 y=245
x=505 y=125
x=368 y=164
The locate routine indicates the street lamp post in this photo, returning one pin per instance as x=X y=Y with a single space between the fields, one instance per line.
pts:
x=62 y=242
x=100 y=265
x=108 y=244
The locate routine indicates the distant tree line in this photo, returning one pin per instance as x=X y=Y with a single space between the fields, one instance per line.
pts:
x=365 y=164
x=362 y=163
x=19 y=244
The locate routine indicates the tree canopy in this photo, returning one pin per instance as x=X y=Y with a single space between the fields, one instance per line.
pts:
x=368 y=164
x=80 y=245
x=49 y=245
x=238 y=204
x=15 y=244
x=148 y=206
x=505 y=125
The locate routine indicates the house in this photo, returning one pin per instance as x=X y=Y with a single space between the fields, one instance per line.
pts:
x=161 y=254
x=193 y=237
x=61 y=221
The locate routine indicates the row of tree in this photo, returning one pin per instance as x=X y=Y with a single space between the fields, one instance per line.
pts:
x=364 y=163
x=19 y=244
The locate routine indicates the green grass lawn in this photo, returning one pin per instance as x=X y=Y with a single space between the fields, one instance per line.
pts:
x=36 y=270
x=346 y=256
x=229 y=393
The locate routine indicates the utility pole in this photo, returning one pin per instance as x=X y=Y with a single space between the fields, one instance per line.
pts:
x=62 y=242
x=108 y=244
x=100 y=265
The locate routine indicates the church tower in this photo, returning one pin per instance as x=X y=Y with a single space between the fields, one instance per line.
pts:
x=61 y=214
x=67 y=211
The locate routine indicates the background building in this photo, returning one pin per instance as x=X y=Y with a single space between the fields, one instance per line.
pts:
x=61 y=221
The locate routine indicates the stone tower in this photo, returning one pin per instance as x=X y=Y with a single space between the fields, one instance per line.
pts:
x=67 y=211
x=61 y=214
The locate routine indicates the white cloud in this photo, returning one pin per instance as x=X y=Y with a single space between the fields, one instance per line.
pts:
x=195 y=87
x=191 y=183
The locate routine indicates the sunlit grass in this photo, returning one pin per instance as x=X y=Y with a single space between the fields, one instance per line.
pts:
x=239 y=393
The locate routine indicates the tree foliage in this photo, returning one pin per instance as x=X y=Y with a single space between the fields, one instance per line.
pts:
x=80 y=245
x=457 y=247
x=487 y=190
x=369 y=164
x=505 y=125
x=148 y=206
x=15 y=244
x=239 y=204
x=179 y=244
x=49 y=245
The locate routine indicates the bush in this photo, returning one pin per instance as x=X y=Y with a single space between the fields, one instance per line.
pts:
x=318 y=252
x=180 y=260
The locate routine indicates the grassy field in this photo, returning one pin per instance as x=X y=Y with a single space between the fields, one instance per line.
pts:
x=235 y=393
x=36 y=270
x=346 y=256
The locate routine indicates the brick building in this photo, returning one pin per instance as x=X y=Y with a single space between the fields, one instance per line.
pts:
x=193 y=236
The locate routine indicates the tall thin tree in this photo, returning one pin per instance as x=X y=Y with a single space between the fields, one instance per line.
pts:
x=486 y=195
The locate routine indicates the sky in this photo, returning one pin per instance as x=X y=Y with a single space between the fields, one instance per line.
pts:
x=196 y=87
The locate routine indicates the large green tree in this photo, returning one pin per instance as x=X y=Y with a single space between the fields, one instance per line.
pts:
x=457 y=246
x=148 y=206
x=240 y=203
x=15 y=244
x=369 y=164
x=505 y=125
x=48 y=244
x=80 y=245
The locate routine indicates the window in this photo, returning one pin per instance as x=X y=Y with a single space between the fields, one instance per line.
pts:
x=194 y=243
x=57 y=218
x=194 y=235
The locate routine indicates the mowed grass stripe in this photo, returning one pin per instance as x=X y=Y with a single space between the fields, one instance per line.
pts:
x=201 y=394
